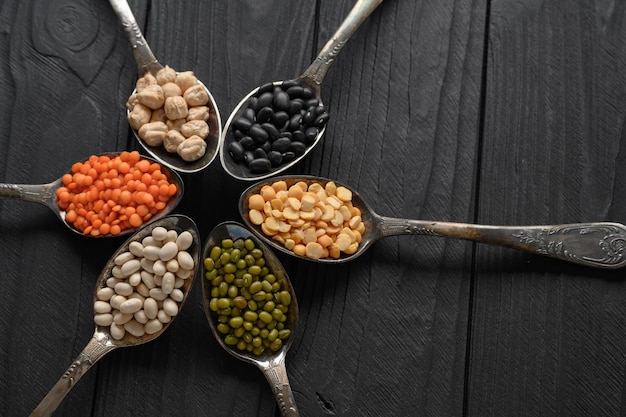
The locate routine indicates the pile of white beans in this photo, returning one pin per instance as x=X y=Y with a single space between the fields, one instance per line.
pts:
x=146 y=286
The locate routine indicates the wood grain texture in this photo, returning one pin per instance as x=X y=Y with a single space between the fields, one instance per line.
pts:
x=547 y=338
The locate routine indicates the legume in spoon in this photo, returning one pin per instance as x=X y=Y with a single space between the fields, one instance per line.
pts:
x=255 y=314
x=97 y=198
x=322 y=220
x=172 y=114
x=131 y=305
x=277 y=124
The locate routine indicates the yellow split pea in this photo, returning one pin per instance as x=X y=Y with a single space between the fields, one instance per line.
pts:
x=313 y=220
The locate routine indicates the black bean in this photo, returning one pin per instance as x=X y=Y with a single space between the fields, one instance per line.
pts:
x=248 y=157
x=260 y=165
x=239 y=134
x=271 y=130
x=265 y=88
x=275 y=158
x=321 y=119
x=309 y=116
x=298 y=136
x=310 y=133
x=267 y=146
x=265 y=99
x=312 y=102
x=281 y=100
x=288 y=84
x=252 y=102
x=297 y=148
x=286 y=135
x=307 y=93
x=258 y=134
x=249 y=114
x=242 y=123
x=281 y=144
x=247 y=143
x=295 y=121
x=288 y=156
x=260 y=153
x=280 y=118
x=295 y=106
x=236 y=151
x=295 y=91
x=264 y=114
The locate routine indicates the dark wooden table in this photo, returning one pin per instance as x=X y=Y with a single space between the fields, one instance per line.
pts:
x=484 y=111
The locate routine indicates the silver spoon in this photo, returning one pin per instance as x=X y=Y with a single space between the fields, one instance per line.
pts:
x=146 y=62
x=46 y=194
x=102 y=342
x=312 y=78
x=271 y=364
x=599 y=245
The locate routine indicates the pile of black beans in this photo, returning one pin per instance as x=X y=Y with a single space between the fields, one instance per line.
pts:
x=278 y=124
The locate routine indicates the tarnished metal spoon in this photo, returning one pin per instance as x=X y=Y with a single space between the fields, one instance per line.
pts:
x=272 y=364
x=312 y=78
x=102 y=342
x=146 y=62
x=598 y=245
x=46 y=194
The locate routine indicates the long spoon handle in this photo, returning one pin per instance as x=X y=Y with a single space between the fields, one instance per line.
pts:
x=37 y=193
x=276 y=375
x=97 y=347
x=599 y=245
x=359 y=13
x=144 y=58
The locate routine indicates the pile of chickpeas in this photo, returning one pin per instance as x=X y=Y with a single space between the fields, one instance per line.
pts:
x=250 y=302
x=170 y=109
x=146 y=287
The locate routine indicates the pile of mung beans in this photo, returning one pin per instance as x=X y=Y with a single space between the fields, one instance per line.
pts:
x=278 y=124
x=147 y=284
x=250 y=302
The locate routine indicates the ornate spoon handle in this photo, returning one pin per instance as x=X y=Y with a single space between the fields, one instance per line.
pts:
x=276 y=375
x=97 y=347
x=599 y=245
x=359 y=13
x=144 y=58
x=37 y=193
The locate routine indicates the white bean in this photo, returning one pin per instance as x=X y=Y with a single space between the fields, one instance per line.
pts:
x=151 y=252
x=153 y=326
x=168 y=282
x=135 y=279
x=116 y=271
x=157 y=294
x=117 y=331
x=184 y=240
x=104 y=294
x=131 y=306
x=136 y=248
x=121 y=318
x=179 y=282
x=159 y=267
x=123 y=288
x=168 y=251
x=172 y=265
x=183 y=273
x=116 y=301
x=170 y=307
x=146 y=264
x=172 y=235
x=177 y=295
x=163 y=317
x=135 y=328
x=130 y=267
x=143 y=290
x=148 y=279
x=100 y=307
x=103 y=319
x=141 y=317
x=151 y=307
x=123 y=258
x=185 y=260
x=159 y=233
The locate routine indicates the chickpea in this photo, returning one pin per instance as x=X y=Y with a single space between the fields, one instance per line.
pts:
x=151 y=96
x=186 y=79
x=171 y=90
x=166 y=75
x=176 y=108
x=198 y=113
x=196 y=95
x=158 y=115
x=192 y=149
x=195 y=127
x=173 y=138
x=153 y=131
x=139 y=116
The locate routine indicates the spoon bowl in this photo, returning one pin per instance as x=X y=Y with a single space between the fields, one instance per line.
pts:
x=146 y=62
x=595 y=244
x=272 y=364
x=312 y=79
x=102 y=342
x=45 y=194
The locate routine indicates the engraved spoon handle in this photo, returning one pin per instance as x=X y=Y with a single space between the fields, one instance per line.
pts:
x=599 y=245
x=359 y=13
x=276 y=375
x=95 y=350
x=37 y=193
x=144 y=58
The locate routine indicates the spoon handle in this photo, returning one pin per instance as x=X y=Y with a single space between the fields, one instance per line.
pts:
x=276 y=375
x=37 y=193
x=599 y=245
x=359 y=13
x=144 y=58
x=97 y=347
